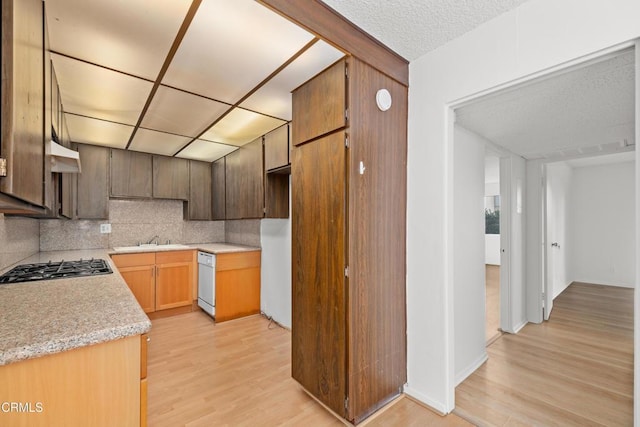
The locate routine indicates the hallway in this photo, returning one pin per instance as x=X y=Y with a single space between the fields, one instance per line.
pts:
x=575 y=369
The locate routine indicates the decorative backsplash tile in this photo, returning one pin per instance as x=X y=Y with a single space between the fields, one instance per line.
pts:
x=19 y=239
x=243 y=232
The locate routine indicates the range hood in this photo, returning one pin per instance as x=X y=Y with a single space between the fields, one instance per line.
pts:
x=62 y=159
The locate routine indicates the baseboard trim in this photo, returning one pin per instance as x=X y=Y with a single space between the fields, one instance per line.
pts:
x=520 y=326
x=471 y=368
x=420 y=398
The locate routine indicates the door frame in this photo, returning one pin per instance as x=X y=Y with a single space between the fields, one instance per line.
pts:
x=533 y=234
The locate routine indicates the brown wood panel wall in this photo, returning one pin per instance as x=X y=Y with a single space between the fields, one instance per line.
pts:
x=318 y=332
x=377 y=230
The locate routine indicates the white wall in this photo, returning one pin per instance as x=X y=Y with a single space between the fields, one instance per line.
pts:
x=275 y=290
x=603 y=224
x=560 y=213
x=468 y=247
x=537 y=35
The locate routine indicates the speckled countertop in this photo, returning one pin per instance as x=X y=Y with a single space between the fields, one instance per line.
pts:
x=49 y=316
x=214 y=248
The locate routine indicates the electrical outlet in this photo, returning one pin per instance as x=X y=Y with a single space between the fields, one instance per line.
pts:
x=105 y=228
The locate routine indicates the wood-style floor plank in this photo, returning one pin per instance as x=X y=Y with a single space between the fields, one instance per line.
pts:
x=238 y=373
x=575 y=369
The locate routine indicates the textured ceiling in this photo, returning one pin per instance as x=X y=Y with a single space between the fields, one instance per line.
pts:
x=414 y=27
x=589 y=110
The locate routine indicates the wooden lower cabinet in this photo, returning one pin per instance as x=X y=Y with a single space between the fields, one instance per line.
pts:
x=237 y=285
x=159 y=280
x=97 y=385
x=174 y=273
x=144 y=342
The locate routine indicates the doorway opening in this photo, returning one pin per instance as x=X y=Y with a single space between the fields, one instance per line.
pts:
x=583 y=109
x=492 y=250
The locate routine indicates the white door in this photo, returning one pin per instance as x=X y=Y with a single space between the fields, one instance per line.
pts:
x=547 y=239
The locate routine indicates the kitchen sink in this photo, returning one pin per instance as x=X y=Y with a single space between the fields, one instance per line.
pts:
x=150 y=247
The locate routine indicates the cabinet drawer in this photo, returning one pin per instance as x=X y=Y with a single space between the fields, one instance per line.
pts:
x=237 y=260
x=174 y=256
x=134 y=260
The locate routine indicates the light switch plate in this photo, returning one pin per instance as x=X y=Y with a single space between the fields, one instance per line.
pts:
x=105 y=228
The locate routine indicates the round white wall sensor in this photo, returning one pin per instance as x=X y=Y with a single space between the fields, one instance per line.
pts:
x=383 y=99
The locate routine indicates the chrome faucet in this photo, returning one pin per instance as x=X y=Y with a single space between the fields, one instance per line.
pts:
x=156 y=238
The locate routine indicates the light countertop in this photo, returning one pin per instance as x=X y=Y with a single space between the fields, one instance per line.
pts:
x=50 y=316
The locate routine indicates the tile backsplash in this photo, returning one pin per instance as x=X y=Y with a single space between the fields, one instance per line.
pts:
x=134 y=221
x=19 y=239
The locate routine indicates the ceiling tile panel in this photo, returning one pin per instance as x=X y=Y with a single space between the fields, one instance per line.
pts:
x=150 y=141
x=240 y=127
x=98 y=132
x=97 y=92
x=230 y=47
x=182 y=113
x=132 y=36
x=274 y=98
x=206 y=151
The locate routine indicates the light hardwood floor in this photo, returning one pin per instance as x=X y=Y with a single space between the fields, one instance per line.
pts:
x=575 y=369
x=238 y=373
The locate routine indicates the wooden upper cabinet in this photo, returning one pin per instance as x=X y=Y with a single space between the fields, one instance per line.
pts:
x=244 y=182
x=276 y=148
x=22 y=92
x=199 y=205
x=93 y=183
x=218 y=189
x=170 y=178
x=319 y=106
x=55 y=102
x=131 y=174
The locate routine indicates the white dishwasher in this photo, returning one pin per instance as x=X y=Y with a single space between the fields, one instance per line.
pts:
x=207 y=282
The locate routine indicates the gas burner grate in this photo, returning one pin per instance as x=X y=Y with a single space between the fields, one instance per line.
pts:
x=56 y=270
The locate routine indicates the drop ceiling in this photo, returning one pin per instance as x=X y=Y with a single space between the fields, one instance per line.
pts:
x=228 y=82
x=585 y=111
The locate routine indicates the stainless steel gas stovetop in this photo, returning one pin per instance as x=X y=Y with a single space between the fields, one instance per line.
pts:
x=56 y=270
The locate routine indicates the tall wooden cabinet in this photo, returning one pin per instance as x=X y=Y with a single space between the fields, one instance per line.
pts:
x=93 y=183
x=348 y=239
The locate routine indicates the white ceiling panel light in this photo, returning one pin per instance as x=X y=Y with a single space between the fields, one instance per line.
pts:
x=206 y=151
x=98 y=132
x=230 y=47
x=150 y=141
x=132 y=36
x=274 y=98
x=182 y=113
x=240 y=127
x=96 y=92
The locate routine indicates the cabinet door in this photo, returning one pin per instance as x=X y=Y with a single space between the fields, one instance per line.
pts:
x=318 y=332
x=131 y=174
x=276 y=148
x=141 y=281
x=218 y=189
x=244 y=179
x=93 y=183
x=174 y=279
x=22 y=119
x=319 y=106
x=199 y=191
x=170 y=178
x=237 y=285
x=66 y=181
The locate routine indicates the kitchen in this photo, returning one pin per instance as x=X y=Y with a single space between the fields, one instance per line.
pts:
x=161 y=178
